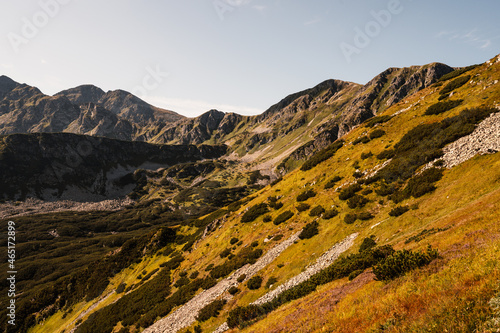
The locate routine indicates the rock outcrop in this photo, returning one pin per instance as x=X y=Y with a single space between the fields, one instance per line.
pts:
x=484 y=140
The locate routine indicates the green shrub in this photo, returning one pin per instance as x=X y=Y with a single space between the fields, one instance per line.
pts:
x=401 y=262
x=120 y=288
x=254 y=282
x=376 y=134
x=233 y=241
x=197 y=329
x=309 y=230
x=330 y=213
x=225 y=253
x=254 y=212
x=283 y=217
x=241 y=278
x=363 y=139
x=302 y=207
x=357 y=174
x=274 y=204
x=357 y=201
x=456 y=73
x=182 y=281
x=349 y=192
x=271 y=281
x=331 y=183
x=242 y=315
x=245 y=256
x=317 y=211
x=386 y=154
x=354 y=274
x=267 y=218
x=209 y=267
x=441 y=107
x=194 y=275
x=398 y=211
x=364 y=216
x=377 y=120
x=233 y=290
x=277 y=237
x=208 y=282
x=422 y=183
x=424 y=233
x=367 y=244
x=385 y=189
x=343 y=267
x=457 y=83
x=210 y=310
x=423 y=143
x=350 y=218
x=439 y=163
x=254 y=244
x=366 y=191
x=364 y=156
x=303 y=196
x=322 y=155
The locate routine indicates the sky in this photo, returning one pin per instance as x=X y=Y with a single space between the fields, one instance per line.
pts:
x=240 y=56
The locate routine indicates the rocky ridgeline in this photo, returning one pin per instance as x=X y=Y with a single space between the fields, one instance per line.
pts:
x=484 y=140
x=325 y=260
x=186 y=314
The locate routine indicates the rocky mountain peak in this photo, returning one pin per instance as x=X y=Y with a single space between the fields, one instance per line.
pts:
x=211 y=119
x=86 y=93
x=332 y=86
x=6 y=85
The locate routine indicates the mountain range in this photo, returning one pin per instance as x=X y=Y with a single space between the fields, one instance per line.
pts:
x=341 y=208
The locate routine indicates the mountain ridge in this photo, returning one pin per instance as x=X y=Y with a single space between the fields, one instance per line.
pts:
x=414 y=224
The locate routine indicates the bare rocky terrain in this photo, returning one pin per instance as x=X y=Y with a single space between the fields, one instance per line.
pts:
x=484 y=140
x=32 y=206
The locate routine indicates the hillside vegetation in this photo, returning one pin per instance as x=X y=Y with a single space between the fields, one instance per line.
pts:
x=408 y=231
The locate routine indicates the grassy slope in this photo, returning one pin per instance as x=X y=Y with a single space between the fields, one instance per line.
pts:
x=466 y=201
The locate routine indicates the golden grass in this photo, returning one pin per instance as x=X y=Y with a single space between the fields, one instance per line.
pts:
x=449 y=295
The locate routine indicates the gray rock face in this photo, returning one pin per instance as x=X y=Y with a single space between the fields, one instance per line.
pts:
x=6 y=85
x=130 y=107
x=25 y=110
x=83 y=94
x=97 y=121
x=116 y=114
x=199 y=129
x=83 y=168
x=386 y=89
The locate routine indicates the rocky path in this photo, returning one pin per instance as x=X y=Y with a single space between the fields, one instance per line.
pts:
x=186 y=314
x=322 y=262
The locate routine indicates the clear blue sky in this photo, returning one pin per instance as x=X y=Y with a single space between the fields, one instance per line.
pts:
x=234 y=55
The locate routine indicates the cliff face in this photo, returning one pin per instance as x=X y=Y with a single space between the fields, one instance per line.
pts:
x=83 y=168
